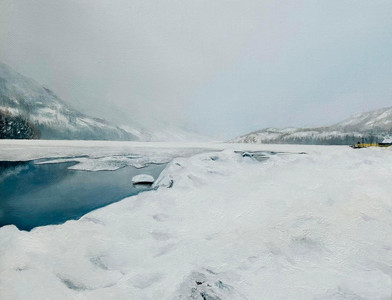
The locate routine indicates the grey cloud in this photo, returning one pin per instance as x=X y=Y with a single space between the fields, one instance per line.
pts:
x=220 y=67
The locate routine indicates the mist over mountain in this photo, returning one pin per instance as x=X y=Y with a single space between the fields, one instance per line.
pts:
x=25 y=101
x=31 y=111
x=371 y=126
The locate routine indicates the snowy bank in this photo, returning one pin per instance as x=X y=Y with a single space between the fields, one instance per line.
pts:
x=223 y=226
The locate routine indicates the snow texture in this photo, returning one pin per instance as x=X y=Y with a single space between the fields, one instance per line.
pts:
x=223 y=226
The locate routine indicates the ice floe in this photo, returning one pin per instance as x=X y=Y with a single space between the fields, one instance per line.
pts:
x=142 y=178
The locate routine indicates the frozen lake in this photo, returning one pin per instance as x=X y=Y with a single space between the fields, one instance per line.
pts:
x=33 y=195
x=63 y=187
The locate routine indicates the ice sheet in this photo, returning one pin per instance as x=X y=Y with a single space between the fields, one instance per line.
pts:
x=23 y=150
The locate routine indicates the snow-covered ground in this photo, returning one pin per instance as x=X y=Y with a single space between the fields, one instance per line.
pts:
x=219 y=226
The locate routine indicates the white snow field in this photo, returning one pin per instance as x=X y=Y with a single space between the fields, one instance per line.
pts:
x=222 y=226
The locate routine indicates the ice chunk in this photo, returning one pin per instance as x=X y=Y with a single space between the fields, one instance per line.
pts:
x=143 y=178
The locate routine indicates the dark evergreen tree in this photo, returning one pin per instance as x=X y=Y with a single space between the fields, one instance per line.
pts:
x=17 y=127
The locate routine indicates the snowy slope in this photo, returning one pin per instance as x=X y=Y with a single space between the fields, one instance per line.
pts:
x=22 y=96
x=378 y=120
x=373 y=126
x=314 y=226
x=313 y=136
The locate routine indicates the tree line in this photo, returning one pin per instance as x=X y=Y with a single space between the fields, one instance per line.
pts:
x=17 y=127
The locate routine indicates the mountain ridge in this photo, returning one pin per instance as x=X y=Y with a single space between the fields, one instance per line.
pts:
x=371 y=126
x=30 y=110
x=39 y=106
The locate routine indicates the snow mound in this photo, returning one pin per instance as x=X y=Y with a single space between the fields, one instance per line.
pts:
x=142 y=178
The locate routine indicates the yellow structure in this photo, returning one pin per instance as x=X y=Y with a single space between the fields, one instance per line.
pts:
x=367 y=145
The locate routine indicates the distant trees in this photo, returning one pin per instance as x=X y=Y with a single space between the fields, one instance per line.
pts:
x=317 y=138
x=17 y=127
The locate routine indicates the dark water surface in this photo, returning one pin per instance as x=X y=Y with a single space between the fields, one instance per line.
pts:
x=34 y=195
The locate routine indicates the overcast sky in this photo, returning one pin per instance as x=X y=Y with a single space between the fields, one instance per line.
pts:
x=222 y=68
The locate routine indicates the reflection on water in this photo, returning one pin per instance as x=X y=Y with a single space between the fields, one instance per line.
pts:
x=35 y=195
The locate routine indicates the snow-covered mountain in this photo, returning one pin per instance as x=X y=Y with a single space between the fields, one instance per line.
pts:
x=372 y=126
x=379 y=120
x=26 y=104
x=29 y=110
